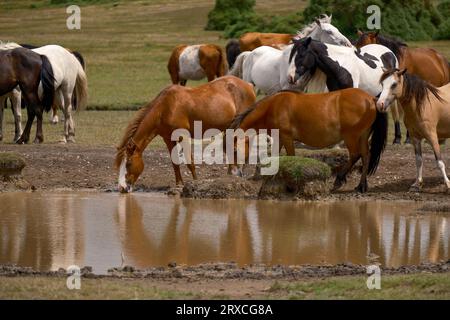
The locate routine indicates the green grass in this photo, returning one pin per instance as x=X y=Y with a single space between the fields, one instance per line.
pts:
x=423 y=286
x=420 y=286
x=126 y=47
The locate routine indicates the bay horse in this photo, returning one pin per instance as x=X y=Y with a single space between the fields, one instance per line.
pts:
x=31 y=72
x=215 y=104
x=54 y=119
x=197 y=62
x=427 y=115
x=70 y=84
x=323 y=120
x=426 y=63
x=267 y=67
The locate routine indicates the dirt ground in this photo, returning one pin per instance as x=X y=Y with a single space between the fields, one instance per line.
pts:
x=59 y=167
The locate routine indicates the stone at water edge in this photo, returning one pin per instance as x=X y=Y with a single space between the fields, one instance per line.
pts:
x=11 y=165
x=297 y=178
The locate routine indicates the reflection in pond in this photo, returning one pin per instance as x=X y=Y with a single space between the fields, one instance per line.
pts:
x=48 y=231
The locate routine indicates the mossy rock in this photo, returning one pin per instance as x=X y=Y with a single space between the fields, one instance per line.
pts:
x=11 y=164
x=297 y=178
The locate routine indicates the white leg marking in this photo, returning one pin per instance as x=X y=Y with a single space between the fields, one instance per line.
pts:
x=441 y=166
x=122 y=174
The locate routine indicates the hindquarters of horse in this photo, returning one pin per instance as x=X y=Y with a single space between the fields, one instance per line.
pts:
x=428 y=64
x=19 y=66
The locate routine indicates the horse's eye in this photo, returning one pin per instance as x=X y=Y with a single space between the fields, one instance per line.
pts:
x=394 y=86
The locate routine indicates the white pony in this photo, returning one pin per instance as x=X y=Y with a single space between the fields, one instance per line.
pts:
x=69 y=79
x=267 y=68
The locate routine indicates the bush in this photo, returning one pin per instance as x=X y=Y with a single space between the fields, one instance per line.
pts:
x=229 y=12
x=409 y=20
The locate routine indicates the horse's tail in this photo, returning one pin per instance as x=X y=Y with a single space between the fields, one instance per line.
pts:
x=81 y=89
x=233 y=51
x=378 y=142
x=238 y=67
x=48 y=83
x=252 y=114
x=80 y=59
x=223 y=63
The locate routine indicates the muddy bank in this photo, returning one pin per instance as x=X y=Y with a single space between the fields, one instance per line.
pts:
x=232 y=271
x=74 y=167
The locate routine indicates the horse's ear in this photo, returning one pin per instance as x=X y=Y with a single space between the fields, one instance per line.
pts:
x=402 y=72
x=360 y=33
x=308 y=41
x=318 y=22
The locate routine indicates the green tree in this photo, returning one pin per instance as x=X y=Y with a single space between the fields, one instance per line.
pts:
x=229 y=12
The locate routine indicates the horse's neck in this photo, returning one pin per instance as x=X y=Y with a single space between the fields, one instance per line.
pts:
x=147 y=129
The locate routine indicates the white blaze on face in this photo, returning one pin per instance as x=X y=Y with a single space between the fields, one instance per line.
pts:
x=292 y=70
x=123 y=174
x=385 y=97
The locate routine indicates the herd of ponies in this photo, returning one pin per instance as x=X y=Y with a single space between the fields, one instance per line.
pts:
x=320 y=89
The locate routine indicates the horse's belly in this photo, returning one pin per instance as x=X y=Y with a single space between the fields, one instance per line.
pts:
x=189 y=63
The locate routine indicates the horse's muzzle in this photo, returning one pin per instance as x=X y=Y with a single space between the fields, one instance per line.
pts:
x=127 y=189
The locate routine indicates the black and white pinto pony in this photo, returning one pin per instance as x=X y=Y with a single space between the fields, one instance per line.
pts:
x=68 y=78
x=342 y=67
x=267 y=68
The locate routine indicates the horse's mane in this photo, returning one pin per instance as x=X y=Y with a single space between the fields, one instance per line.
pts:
x=307 y=30
x=8 y=45
x=415 y=88
x=395 y=45
x=133 y=126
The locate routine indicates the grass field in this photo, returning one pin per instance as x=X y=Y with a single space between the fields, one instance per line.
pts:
x=423 y=286
x=126 y=45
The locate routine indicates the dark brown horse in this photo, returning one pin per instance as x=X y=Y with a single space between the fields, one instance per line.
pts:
x=28 y=70
x=215 y=104
x=80 y=58
x=197 y=62
x=321 y=121
x=426 y=63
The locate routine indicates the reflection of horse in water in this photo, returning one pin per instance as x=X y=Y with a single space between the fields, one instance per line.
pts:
x=42 y=234
x=184 y=231
x=341 y=232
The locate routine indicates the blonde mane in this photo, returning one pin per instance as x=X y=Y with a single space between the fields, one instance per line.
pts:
x=8 y=45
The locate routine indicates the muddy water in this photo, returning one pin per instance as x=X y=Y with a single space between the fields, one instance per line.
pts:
x=49 y=231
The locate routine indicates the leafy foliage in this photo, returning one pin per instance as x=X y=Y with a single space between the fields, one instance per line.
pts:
x=406 y=19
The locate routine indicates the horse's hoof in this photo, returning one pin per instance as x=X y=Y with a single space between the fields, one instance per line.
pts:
x=397 y=141
x=415 y=189
x=22 y=140
x=361 y=189
x=38 y=140
x=1 y=138
x=63 y=140
x=408 y=141
x=71 y=139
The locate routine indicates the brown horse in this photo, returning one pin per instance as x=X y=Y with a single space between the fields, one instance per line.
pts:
x=215 y=104
x=252 y=40
x=427 y=114
x=197 y=62
x=28 y=70
x=324 y=120
x=425 y=63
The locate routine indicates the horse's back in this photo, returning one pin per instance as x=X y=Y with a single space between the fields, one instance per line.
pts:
x=428 y=64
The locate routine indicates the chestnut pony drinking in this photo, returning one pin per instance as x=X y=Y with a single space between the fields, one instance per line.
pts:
x=215 y=104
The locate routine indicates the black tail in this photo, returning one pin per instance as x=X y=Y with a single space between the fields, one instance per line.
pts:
x=378 y=142
x=48 y=84
x=80 y=59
